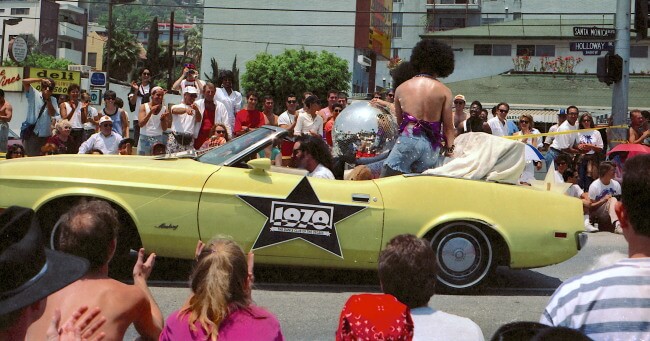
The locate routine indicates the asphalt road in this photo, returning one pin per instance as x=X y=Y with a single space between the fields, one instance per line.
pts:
x=308 y=302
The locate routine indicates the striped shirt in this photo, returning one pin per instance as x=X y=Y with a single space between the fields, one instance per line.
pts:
x=611 y=303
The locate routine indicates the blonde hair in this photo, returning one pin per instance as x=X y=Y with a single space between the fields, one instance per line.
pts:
x=60 y=124
x=219 y=285
x=531 y=125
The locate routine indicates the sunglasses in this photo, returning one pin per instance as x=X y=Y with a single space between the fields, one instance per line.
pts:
x=523 y=121
x=107 y=124
x=561 y=163
x=459 y=102
x=109 y=98
x=337 y=110
x=220 y=131
x=292 y=102
x=391 y=95
x=503 y=111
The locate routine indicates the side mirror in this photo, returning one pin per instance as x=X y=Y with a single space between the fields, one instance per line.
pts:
x=260 y=165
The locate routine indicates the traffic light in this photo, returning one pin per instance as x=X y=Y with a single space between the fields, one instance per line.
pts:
x=609 y=69
x=641 y=8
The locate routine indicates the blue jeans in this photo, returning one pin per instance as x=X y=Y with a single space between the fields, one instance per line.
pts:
x=146 y=142
x=4 y=136
x=411 y=154
x=551 y=154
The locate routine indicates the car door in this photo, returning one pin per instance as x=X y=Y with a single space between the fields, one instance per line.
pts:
x=292 y=219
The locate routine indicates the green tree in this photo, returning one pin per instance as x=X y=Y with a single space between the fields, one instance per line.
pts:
x=193 y=44
x=40 y=60
x=214 y=65
x=128 y=16
x=155 y=53
x=124 y=53
x=296 y=71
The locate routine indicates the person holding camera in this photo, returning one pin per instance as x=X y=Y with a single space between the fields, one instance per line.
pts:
x=41 y=107
x=190 y=77
x=139 y=94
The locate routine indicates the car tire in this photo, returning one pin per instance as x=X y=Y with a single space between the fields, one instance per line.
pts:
x=465 y=256
x=128 y=238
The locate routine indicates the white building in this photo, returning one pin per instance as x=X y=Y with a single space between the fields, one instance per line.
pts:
x=59 y=27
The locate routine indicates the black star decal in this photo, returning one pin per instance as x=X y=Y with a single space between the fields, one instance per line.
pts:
x=300 y=216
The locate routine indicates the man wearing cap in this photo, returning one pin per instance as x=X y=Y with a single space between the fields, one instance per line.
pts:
x=30 y=273
x=106 y=140
x=89 y=230
x=561 y=117
x=459 y=110
x=184 y=117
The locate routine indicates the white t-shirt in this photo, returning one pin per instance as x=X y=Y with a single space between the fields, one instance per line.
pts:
x=286 y=118
x=321 y=172
x=558 y=177
x=575 y=191
x=107 y=144
x=431 y=324
x=232 y=103
x=185 y=83
x=183 y=124
x=92 y=113
x=552 y=129
x=307 y=123
x=142 y=90
x=498 y=128
x=75 y=119
x=597 y=190
x=153 y=126
x=591 y=137
x=565 y=141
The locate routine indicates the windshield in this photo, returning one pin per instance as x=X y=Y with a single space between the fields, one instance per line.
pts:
x=236 y=149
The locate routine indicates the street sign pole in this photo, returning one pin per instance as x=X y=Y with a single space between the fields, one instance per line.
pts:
x=620 y=89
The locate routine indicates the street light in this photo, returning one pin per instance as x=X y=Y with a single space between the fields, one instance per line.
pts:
x=5 y=22
x=110 y=33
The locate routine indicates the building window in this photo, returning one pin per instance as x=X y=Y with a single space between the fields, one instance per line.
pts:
x=492 y=50
x=397 y=25
x=525 y=50
x=501 y=50
x=65 y=44
x=400 y=1
x=2 y=10
x=482 y=50
x=395 y=53
x=20 y=11
x=92 y=59
x=545 y=50
x=638 y=52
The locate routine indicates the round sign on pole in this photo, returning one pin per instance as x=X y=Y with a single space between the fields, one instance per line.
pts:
x=18 y=49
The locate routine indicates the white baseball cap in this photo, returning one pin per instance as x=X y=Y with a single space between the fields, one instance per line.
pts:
x=191 y=90
x=105 y=118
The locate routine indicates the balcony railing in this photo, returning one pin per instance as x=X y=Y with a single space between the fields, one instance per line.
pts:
x=460 y=5
x=72 y=55
x=70 y=30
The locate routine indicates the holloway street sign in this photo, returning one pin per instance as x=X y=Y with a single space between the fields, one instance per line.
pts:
x=592 y=48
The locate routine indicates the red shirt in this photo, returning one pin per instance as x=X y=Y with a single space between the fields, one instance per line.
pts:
x=248 y=118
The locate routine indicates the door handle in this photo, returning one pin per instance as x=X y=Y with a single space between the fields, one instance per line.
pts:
x=358 y=197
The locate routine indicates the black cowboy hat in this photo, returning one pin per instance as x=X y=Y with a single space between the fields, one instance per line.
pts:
x=30 y=272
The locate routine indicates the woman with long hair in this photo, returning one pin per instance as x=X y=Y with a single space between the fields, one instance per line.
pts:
x=527 y=127
x=220 y=306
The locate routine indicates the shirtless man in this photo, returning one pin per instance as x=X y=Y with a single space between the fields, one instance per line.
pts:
x=6 y=111
x=89 y=230
x=638 y=131
x=422 y=108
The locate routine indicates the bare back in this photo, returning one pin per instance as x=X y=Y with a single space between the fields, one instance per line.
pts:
x=120 y=303
x=423 y=98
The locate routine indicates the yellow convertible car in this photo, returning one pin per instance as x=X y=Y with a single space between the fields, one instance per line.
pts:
x=168 y=203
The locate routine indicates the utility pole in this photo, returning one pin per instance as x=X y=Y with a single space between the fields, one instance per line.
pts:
x=172 y=59
x=620 y=89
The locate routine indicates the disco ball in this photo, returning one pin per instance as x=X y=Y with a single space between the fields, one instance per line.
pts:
x=363 y=131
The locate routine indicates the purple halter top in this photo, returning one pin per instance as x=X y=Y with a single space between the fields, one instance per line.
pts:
x=430 y=129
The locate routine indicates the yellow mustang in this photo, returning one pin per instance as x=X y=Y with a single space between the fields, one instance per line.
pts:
x=168 y=203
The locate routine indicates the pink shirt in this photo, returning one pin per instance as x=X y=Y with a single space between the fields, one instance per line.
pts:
x=253 y=323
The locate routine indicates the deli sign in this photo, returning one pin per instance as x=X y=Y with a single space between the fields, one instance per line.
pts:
x=11 y=78
x=62 y=79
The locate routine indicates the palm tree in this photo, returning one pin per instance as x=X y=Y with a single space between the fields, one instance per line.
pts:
x=124 y=53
